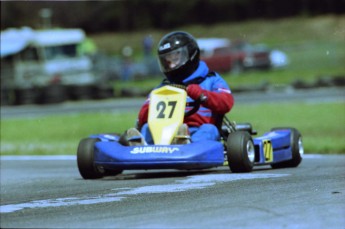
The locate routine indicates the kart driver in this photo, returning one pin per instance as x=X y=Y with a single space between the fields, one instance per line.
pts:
x=179 y=59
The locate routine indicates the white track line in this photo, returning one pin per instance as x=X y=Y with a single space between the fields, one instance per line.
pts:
x=115 y=195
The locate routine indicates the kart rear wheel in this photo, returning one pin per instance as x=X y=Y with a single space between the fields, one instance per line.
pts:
x=240 y=152
x=85 y=159
x=296 y=148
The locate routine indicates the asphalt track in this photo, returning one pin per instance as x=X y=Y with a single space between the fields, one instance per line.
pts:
x=48 y=192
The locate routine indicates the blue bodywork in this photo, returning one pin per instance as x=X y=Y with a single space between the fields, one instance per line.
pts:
x=110 y=154
x=281 y=144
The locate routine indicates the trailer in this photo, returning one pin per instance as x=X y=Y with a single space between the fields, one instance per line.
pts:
x=47 y=66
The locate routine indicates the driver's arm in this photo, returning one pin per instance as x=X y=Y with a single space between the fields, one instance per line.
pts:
x=143 y=114
x=220 y=100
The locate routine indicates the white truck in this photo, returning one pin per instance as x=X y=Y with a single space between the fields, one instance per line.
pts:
x=46 y=66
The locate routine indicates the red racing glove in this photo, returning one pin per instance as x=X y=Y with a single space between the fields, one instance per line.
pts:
x=195 y=91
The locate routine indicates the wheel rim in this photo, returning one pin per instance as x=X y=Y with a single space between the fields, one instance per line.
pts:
x=250 y=151
x=300 y=147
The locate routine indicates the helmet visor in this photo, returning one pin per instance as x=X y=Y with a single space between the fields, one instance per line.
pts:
x=174 y=59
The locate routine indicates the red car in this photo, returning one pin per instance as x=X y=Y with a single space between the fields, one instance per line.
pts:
x=222 y=55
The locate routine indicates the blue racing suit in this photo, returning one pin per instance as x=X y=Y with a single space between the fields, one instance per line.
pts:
x=202 y=124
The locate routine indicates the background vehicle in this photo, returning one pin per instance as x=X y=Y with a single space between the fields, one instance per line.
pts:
x=216 y=52
x=46 y=66
x=223 y=55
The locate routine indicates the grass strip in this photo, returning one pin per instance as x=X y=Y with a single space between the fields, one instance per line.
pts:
x=321 y=124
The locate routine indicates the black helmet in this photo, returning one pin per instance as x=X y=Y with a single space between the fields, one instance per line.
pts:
x=178 y=55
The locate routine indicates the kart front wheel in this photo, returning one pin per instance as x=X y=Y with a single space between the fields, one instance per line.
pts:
x=85 y=159
x=112 y=172
x=297 y=149
x=240 y=152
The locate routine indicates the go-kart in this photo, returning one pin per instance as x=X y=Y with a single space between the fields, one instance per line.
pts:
x=103 y=154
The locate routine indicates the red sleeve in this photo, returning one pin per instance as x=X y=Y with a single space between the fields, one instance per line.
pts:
x=143 y=115
x=219 y=102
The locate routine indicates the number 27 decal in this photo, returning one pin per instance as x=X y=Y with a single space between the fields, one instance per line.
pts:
x=161 y=107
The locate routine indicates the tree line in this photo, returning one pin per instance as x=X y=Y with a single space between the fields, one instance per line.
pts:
x=130 y=15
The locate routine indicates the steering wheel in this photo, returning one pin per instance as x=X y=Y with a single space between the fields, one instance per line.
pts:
x=195 y=104
x=195 y=108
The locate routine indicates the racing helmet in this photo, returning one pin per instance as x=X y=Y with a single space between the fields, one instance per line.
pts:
x=178 y=55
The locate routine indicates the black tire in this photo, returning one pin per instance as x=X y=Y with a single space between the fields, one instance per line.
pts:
x=112 y=172
x=55 y=94
x=26 y=96
x=103 y=93
x=297 y=150
x=240 y=152
x=7 y=96
x=80 y=92
x=85 y=159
